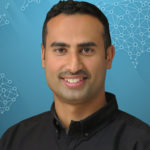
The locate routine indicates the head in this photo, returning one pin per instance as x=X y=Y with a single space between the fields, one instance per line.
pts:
x=76 y=41
x=71 y=7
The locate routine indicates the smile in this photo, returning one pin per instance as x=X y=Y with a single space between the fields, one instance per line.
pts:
x=74 y=82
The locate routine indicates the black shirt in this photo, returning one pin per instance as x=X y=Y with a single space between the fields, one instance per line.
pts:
x=107 y=129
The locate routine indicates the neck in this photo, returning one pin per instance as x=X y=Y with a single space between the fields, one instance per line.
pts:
x=76 y=112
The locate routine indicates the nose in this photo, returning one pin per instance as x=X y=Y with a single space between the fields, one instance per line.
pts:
x=74 y=62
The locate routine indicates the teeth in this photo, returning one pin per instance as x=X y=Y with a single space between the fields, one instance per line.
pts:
x=73 y=80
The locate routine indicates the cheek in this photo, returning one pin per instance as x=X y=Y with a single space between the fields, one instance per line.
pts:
x=96 y=65
x=51 y=71
x=52 y=64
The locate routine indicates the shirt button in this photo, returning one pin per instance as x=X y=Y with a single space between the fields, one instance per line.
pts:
x=86 y=134
x=57 y=123
x=56 y=131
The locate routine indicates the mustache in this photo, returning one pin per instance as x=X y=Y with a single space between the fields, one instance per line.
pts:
x=79 y=72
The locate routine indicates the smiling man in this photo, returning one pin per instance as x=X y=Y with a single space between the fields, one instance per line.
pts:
x=76 y=52
x=75 y=62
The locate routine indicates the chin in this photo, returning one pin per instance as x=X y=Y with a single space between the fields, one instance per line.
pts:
x=71 y=97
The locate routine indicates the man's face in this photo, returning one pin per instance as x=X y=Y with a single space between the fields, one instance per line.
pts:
x=74 y=58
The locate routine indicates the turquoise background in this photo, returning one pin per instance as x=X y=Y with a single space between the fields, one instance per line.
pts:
x=23 y=88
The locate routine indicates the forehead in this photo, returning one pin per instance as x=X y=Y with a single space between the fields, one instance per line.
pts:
x=75 y=26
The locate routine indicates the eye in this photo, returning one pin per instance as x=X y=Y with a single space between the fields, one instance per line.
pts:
x=60 y=51
x=87 y=51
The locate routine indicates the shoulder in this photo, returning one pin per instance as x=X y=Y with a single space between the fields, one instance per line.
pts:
x=132 y=128
x=31 y=122
x=25 y=128
x=132 y=121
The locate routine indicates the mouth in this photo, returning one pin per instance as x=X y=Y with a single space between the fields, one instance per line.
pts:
x=74 y=82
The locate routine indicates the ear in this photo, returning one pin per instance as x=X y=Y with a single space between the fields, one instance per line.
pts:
x=110 y=55
x=43 y=55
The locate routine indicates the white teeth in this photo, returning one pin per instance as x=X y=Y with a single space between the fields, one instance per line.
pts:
x=73 y=80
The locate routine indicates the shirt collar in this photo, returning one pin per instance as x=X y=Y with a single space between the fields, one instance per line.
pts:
x=94 y=122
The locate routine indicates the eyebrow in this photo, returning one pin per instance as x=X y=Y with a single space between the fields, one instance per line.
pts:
x=62 y=44
x=59 y=44
x=86 y=44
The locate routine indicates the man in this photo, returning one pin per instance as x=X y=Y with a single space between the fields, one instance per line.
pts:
x=76 y=52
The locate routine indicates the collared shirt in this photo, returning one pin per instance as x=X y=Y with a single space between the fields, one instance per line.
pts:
x=107 y=129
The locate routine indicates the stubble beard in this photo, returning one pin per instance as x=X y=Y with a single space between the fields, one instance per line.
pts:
x=72 y=96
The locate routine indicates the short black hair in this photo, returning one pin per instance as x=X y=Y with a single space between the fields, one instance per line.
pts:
x=71 y=7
